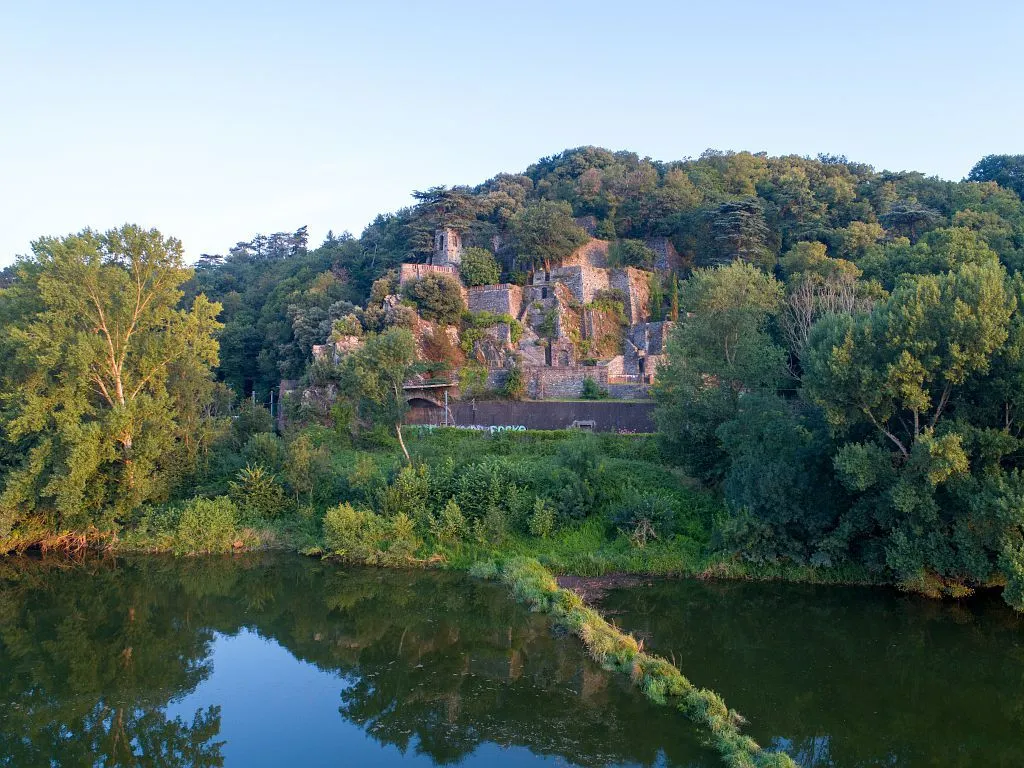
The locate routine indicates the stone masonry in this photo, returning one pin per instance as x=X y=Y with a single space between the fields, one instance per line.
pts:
x=503 y=299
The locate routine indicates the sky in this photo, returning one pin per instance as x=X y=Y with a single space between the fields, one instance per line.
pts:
x=213 y=121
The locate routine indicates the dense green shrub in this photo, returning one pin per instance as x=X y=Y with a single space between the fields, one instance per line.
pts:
x=591 y=390
x=514 y=387
x=265 y=449
x=542 y=519
x=437 y=297
x=354 y=535
x=479 y=267
x=258 y=492
x=206 y=525
x=645 y=516
x=250 y=419
x=449 y=527
x=408 y=495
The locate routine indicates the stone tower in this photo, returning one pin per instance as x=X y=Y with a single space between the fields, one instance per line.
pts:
x=447 y=248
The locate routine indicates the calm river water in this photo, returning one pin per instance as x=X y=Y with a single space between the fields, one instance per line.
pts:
x=277 y=660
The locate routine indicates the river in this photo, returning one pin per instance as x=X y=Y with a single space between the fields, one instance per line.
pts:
x=274 y=660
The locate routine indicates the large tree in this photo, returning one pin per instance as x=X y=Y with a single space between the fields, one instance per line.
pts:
x=100 y=359
x=544 y=233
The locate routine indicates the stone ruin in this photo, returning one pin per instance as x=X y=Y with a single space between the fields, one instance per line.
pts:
x=561 y=328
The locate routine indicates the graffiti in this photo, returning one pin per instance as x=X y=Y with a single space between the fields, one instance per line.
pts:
x=492 y=428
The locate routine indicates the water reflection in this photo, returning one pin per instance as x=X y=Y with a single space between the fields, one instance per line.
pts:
x=190 y=663
x=845 y=676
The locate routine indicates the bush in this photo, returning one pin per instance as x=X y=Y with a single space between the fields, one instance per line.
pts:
x=206 y=525
x=591 y=390
x=449 y=527
x=354 y=535
x=542 y=519
x=403 y=543
x=479 y=267
x=257 y=492
x=437 y=297
x=645 y=516
x=515 y=385
x=264 y=449
x=250 y=419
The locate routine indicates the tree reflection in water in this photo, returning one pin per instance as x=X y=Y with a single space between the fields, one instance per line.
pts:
x=434 y=663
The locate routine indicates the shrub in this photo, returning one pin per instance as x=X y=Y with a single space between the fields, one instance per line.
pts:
x=645 y=516
x=542 y=519
x=257 y=492
x=407 y=495
x=403 y=542
x=206 y=525
x=591 y=390
x=354 y=535
x=437 y=297
x=306 y=467
x=479 y=267
x=249 y=420
x=515 y=385
x=449 y=527
x=264 y=449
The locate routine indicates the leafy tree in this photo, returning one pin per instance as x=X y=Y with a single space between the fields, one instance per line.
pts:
x=96 y=341
x=721 y=350
x=479 y=267
x=740 y=232
x=437 y=297
x=1005 y=170
x=631 y=253
x=545 y=233
x=372 y=377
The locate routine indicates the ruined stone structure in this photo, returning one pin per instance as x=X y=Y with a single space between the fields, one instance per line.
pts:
x=667 y=256
x=447 y=248
x=503 y=299
x=408 y=273
x=338 y=349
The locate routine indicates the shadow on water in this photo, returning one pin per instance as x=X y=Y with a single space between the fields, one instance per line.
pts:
x=846 y=676
x=99 y=660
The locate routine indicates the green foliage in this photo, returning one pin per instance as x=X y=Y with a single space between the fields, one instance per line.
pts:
x=258 y=492
x=106 y=385
x=592 y=391
x=1005 y=170
x=514 y=387
x=206 y=525
x=542 y=518
x=265 y=449
x=250 y=419
x=479 y=267
x=631 y=253
x=643 y=516
x=449 y=527
x=353 y=535
x=437 y=297
x=545 y=233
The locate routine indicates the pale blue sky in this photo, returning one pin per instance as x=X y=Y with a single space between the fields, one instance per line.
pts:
x=213 y=121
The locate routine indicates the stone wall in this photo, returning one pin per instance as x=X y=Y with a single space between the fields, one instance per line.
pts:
x=561 y=381
x=583 y=280
x=665 y=251
x=503 y=299
x=409 y=273
x=593 y=253
x=635 y=286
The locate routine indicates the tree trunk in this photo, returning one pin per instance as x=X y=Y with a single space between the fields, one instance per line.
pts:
x=401 y=442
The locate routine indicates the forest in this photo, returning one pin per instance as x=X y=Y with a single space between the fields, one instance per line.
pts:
x=842 y=398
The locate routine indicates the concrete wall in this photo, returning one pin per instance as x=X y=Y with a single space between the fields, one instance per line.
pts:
x=608 y=417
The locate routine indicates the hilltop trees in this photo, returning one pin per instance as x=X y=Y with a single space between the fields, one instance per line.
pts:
x=102 y=365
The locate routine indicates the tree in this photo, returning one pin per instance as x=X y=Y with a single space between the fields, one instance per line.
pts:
x=479 y=267
x=631 y=253
x=96 y=345
x=719 y=351
x=437 y=297
x=544 y=232
x=1005 y=170
x=740 y=232
x=372 y=379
